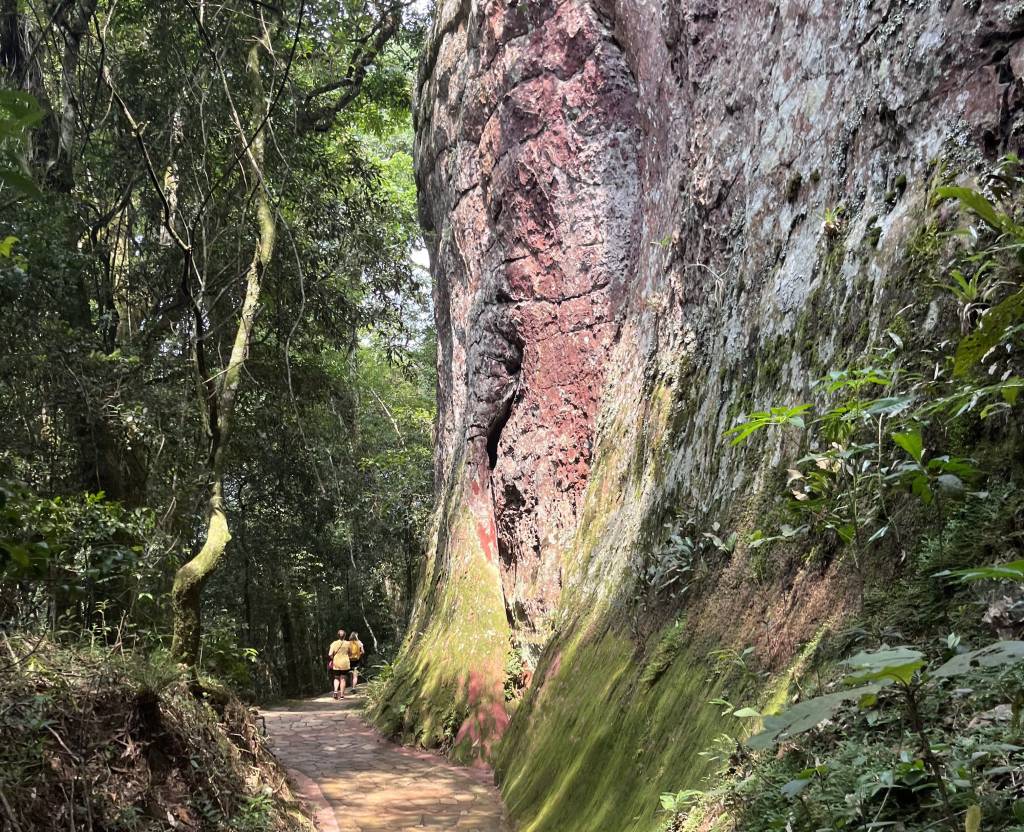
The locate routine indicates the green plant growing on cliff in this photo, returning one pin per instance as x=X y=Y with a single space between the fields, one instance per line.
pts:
x=675 y=802
x=684 y=558
x=900 y=676
x=761 y=419
x=839 y=486
x=918 y=738
x=833 y=219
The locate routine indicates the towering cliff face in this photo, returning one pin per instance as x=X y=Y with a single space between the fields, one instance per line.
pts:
x=624 y=201
x=528 y=152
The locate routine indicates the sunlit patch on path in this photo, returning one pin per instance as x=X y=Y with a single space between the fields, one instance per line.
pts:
x=360 y=782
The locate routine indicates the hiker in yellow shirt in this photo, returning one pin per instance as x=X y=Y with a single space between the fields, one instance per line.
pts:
x=338 y=663
x=356 y=651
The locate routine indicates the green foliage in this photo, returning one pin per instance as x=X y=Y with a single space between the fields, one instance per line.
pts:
x=684 y=558
x=1013 y=571
x=134 y=730
x=761 y=419
x=874 y=748
x=19 y=113
x=376 y=688
x=981 y=207
x=805 y=716
x=832 y=220
x=72 y=561
x=875 y=422
x=679 y=801
x=994 y=655
x=124 y=279
x=907 y=464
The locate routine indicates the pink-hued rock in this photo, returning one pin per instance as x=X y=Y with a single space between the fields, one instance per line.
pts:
x=624 y=202
x=528 y=159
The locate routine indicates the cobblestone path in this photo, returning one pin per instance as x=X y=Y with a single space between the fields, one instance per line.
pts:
x=359 y=782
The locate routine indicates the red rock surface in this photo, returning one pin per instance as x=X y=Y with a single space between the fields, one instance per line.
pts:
x=528 y=160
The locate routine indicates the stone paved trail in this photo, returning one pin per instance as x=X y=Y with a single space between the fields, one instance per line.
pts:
x=359 y=782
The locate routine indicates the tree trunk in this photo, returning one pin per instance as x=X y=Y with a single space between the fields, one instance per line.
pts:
x=73 y=23
x=186 y=594
x=190 y=578
x=291 y=666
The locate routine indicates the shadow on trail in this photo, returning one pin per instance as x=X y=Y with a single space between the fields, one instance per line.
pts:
x=360 y=782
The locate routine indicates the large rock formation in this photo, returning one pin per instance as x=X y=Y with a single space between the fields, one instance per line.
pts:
x=631 y=210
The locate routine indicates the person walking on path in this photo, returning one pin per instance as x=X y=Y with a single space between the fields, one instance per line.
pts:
x=338 y=663
x=356 y=651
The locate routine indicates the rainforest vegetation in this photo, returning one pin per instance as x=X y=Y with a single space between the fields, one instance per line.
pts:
x=216 y=373
x=219 y=377
x=214 y=327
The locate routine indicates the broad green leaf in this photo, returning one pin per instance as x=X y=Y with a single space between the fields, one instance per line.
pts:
x=896 y=664
x=1013 y=571
x=911 y=442
x=920 y=488
x=950 y=483
x=995 y=655
x=24 y=110
x=889 y=406
x=747 y=713
x=19 y=182
x=764 y=418
x=1010 y=390
x=868 y=700
x=794 y=787
x=19 y=554
x=804 y=716
x=847 y=532
x=977 y=204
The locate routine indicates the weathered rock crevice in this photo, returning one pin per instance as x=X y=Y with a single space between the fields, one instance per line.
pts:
x=528 y=162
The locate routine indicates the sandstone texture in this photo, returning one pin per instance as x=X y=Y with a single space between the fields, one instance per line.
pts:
x=626 y=204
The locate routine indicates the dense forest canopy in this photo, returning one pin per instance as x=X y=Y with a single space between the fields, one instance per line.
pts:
x=218 y=369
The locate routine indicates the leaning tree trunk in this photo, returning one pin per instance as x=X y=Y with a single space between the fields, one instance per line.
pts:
x=186 y=594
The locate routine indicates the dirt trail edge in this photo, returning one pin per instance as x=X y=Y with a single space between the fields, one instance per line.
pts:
x=360 y=782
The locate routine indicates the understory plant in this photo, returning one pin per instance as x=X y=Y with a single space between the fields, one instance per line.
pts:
x=905 y=469
x=886 y=426
x=908 y=737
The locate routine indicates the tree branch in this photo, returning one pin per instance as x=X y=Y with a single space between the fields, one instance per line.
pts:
x=320 y=119
x=150 y=169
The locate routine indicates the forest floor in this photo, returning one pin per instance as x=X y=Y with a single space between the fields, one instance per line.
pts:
x=357 y=781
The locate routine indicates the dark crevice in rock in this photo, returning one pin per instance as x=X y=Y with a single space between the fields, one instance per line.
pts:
x=494 y=434
x=512 y=363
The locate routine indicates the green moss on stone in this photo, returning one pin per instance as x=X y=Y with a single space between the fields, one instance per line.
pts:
x=597 y=749
x=667 y=649
x=450 y=673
